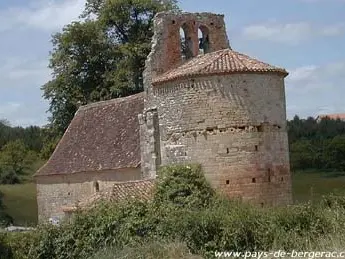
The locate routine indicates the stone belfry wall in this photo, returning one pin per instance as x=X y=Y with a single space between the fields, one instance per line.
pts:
x=166 y=43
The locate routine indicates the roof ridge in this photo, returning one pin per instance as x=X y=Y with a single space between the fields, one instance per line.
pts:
x=238 y=56
x=108 y=102
x=216 y=57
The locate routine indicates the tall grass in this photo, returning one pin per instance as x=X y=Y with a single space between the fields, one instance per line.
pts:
x=149 y=250
x=186 y=218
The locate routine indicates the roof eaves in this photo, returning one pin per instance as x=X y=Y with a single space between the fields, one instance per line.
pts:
x=198 y=75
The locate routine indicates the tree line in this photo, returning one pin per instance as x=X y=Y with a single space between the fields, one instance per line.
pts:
x=317 y=144
x=20 y=148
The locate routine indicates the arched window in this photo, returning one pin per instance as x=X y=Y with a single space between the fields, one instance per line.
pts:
x=204 y=40
x=96 y=186
x=186 y=43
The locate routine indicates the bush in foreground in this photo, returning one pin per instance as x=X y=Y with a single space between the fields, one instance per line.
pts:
x=149 y=250
x=186 y=211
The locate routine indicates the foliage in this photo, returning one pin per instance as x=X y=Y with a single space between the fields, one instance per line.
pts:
x=148 y=250
x=183 y=186
x=5 y=249
x=318 y=145
x=335 y=153
x=19 y=244
x=30 y=136
x=15 y=159
x=217 y=225
x=50 y=140
x=19 y=152
x=101 y=57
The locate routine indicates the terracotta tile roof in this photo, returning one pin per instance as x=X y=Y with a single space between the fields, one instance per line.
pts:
x=340 y=116
x=101 y=136
x=224 y=61
x=142 y=190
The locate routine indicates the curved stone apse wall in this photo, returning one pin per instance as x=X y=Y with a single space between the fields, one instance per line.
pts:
x=235 y=126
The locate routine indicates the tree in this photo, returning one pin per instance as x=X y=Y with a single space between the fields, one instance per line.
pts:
x=100 y=58
x=15 y=159
x=335 y=153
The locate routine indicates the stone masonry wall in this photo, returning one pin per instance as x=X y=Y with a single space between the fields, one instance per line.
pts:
x=149 y=143
x=56 y=191
x=166 y=43
x=235 y=126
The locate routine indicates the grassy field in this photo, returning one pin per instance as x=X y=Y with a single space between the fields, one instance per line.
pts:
x=308 y=186
x=20 y=200
x=20 y=203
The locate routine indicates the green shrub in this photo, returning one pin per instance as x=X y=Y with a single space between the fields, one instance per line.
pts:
x=22 y=244
x=5 y=249
x=148 y=250
x=183 y=186
x=185 y=210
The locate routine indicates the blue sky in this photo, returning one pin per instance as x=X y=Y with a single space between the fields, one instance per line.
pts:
x=307 y=37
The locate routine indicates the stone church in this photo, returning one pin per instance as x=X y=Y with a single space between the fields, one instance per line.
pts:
x=202 y=103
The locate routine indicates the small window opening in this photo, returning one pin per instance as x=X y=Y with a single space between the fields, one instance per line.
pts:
x=227 y=150
x=227 y=181
x=253 y=180
x=282 y=179
x=256 y=148
x=173 y=21
x=262 y=204
x=96 y=186
x=269 y=174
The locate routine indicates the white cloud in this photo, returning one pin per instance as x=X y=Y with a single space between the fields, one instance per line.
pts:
x=20 y=94
x=313 y=90
x=45 y=15
x=291 y=33
x=18 y=71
